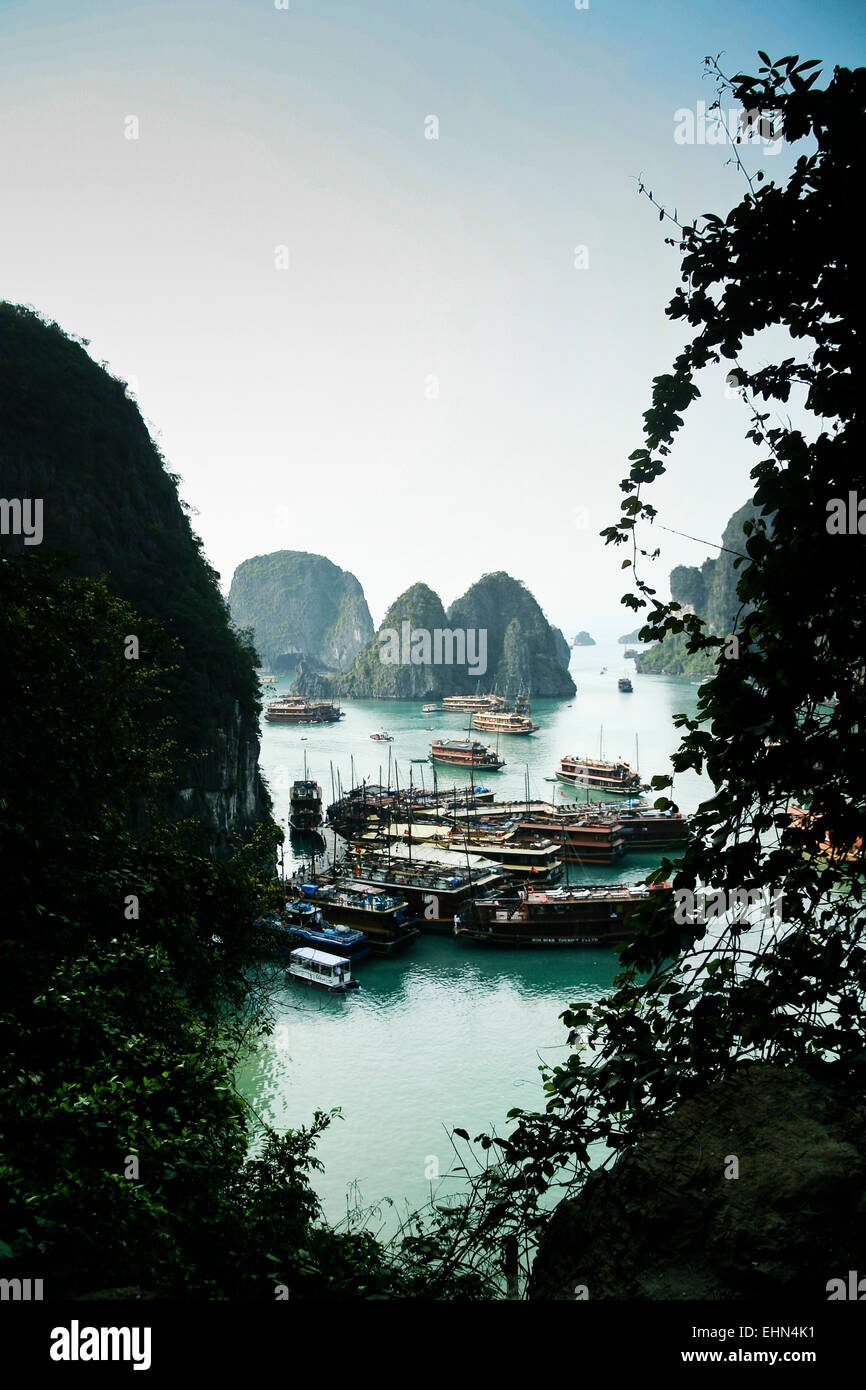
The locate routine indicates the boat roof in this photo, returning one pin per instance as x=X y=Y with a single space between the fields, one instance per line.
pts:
x=310 y=954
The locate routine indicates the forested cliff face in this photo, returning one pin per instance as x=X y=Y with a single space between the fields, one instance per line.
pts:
x=300 y=607
x=710 y=590
x=71 y=437
x=509 y=647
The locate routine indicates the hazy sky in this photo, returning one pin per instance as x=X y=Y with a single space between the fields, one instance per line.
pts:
x=300 y=404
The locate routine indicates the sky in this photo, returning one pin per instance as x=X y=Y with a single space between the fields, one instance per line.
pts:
x=333 y=249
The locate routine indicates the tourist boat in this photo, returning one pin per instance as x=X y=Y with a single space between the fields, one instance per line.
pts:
x=465 y=753
x=434 y=892
x=504 y=722
x=534 y=858
x=469 y=704
x=431 y=709
x=617 y=779
x=382 y=737
x=585 y=841
x=599 y=836
x=370 y=804
x=322 y=970
x=522 y=705
x=305 y=805
x=385 y=918
x=594 y=915
x=294 y=709
x=625 y=685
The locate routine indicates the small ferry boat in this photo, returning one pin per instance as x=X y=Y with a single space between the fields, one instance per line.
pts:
x=469 y=704
x=595 y=915
x=617 y=779
x=294 y=709
x=311 y=967
x=431 y=709
x=382 y=737
x=305 y=805
x=504 y=722
x=625 y=685
x=465 y=753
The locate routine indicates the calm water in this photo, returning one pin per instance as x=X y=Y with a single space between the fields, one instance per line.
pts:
x=447 y=1034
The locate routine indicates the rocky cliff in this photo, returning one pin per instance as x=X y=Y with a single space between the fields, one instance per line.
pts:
x=494 y=638
x=71 y=437
x=710 y=590
x=522 y=652
x=379 y=671
x=300 y=607
x=752 y=1189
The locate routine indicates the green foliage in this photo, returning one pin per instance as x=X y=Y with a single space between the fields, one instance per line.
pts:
x=692 y=1001
x=128 y=967
x=72 y=436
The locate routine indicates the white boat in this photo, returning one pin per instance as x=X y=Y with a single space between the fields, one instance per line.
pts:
x=382 y=737
x=312 y=967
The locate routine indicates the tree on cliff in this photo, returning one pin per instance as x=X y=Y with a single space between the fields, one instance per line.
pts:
x=697 y=999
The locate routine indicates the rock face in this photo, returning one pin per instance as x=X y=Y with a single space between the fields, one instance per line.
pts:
x=522 y=653
x=710 y=590
x=629 y=637
x=70 y=436
x=300 y=607
x=583 y=639
x=667 y=1223
x=374 y=674
x=496 y=635
x=563 y=650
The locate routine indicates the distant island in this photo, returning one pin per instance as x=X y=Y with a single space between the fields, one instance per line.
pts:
x=495 y=638
x=630 y=637
x=300 y=608
x=583 y=639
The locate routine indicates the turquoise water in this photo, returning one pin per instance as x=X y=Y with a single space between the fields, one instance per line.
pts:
x=447 y=1034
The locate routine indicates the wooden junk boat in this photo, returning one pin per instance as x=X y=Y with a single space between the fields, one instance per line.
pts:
x=305 y=805
x=322 y=970
x=598 y=836
x=294 y=709
x=625 y=685
x=594 y=915
x=465 y=753
x=384 y=918
x=434 y=892
x=469 y=704
x=617 y=779
x=503 y=722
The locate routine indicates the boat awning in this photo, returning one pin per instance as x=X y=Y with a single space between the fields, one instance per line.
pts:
x=308 y=954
